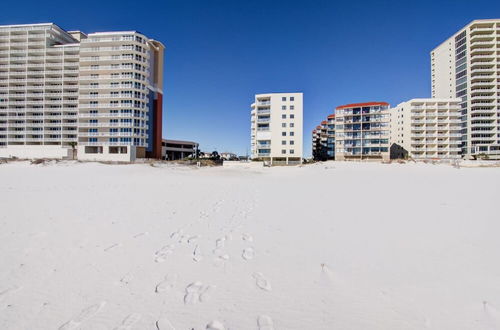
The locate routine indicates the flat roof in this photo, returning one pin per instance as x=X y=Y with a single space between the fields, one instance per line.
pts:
x=178 y=141
x=476 y=21
x=356 y=105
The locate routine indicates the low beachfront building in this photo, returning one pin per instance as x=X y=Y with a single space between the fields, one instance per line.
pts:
x=362 y=131
x=276 y=128
x=176 y=149
x=426 y=129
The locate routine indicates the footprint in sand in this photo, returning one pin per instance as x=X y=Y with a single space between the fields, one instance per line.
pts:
x=141 y=234
x=127 y=278
x=111 y=247
x=176 y=234
x=220 y=243
x=129 y=321
x=183 y=239
x=193 y=239
x=164 y=324
x=247 y=237
x=248 y=253
x=84 y=315
x=262 y=282
x=197 y=254
x=167 y=284
x=215 y=325
x=197 y=292
x=264 y=322
x=162 y=254
x=8 y=291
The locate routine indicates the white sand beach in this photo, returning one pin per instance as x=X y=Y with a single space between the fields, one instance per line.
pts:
x=325 y=246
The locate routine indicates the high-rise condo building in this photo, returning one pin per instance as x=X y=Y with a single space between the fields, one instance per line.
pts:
x=323 y=140
x=467 y=66
x=426 y=129
x=362 y=131
x=276 y=128
x=100 y=93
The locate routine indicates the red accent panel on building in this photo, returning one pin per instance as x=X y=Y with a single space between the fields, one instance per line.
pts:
x=367 y=104
x=331 y=117
x=157 y=128
x=324 y=122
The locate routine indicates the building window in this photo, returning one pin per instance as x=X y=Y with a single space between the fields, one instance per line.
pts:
x=283 y=151
x=292 y=142
x=283 y=116
x=292 y=116
x=292 y=98
x=283 y=142
x=292 y=107
x=292 y=124
x=292 y=133
x=283 y=98
x=291 y=151
x=283 y=107
x=283 y=124
x=283 y=133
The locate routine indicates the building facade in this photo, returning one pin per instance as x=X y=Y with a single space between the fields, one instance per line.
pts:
x=100 y=93
x=323 y=140
x=276 y=128
x=467 y=66
x=175 y=149
x=426 y=129
x=362 y=131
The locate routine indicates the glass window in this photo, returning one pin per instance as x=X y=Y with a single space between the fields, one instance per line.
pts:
x=283 y=107
x=283 y=98
x=283 y=151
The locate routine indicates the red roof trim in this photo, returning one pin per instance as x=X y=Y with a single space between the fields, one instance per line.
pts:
x=367 y=104
x=331 y=116
x=324 y=122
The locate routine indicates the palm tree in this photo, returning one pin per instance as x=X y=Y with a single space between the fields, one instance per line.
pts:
x=73 y=148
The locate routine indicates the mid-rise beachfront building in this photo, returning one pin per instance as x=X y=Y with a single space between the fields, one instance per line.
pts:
x=100 y=93
x=276 y=128
x=362 y=131
x=323 y=140
x=467 y=66
x=426 y=129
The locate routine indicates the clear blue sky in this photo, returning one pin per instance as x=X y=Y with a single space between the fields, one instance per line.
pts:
x=220 y=53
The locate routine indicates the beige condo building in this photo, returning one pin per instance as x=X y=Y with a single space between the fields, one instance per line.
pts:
x=100 y=94
x=276 y=128
x=426 y=129
x=467 y=66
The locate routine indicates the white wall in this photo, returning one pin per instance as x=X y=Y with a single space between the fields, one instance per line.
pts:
x=34 y=152
x=443 y=85
x=106 y=156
